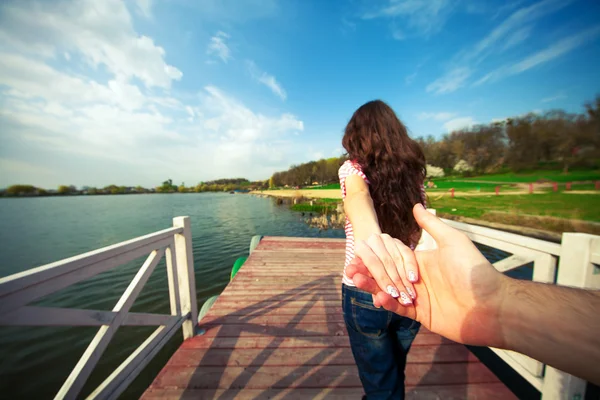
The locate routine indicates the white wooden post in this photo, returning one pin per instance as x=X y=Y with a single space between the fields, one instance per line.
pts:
x=185 y=275
x=575 y=269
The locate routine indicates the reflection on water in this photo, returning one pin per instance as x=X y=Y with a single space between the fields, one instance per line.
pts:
x=35 y=231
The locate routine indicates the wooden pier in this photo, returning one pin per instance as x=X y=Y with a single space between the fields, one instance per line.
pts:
x=277 y=331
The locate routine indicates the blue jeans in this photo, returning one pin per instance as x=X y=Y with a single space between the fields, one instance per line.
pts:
x=380 y=341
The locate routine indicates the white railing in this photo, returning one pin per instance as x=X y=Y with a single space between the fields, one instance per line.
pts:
x=574 y=258
x=18 y=290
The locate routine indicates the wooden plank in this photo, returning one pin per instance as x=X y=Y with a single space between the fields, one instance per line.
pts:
x=258 y=377
x=235 y=289
x=268 y=341
x=266 y=239
x=186 y=278
x=249 y=297
x=512 y=262
x=225 y=302
x=536 y=381
x=275 y=281
x=291 y=356
x=301 y=245
x=249 y=329
x=277 y=320
x=172 y=279
x=269 y=311
x=544 y=269
x=277 y=331
x=485 y=391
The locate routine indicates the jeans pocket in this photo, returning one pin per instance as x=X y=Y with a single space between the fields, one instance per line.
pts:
x=368 y=320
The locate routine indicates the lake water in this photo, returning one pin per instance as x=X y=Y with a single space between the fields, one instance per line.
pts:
x=35 y=231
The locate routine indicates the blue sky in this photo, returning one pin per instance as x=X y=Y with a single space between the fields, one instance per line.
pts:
x=135 y=92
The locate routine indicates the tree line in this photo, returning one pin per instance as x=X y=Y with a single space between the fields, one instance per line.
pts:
x=554 y=139
x=310 y=173
x=219 y=185
x=551 y=140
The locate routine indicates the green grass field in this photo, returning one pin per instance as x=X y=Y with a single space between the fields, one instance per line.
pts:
x=487 y=183
x=527 y=210
x=445 y=185
x=328 y=186
x=534 y=176
x=320 y=207
x=562 y=205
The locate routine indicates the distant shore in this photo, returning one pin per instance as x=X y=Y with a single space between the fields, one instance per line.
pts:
x=315 y=194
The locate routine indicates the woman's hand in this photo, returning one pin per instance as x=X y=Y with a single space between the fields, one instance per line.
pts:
x=392 y=265
x=460 y=292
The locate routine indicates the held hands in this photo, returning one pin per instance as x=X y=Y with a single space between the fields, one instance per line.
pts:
x=458 y=293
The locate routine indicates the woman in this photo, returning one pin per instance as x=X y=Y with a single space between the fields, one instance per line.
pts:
x=380 y=183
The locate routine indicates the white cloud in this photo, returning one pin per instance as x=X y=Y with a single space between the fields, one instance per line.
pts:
x=235 y=121
x=553 y=51
x=553 y=98
x=266 y=79
x=450 y=82
x=218 y=46
x=410 y=78
x=119 y=129
x=420 y=17
x=511 y=32
x=100 y=32
x=440 y=116
x=28 y=78
x=516 y=38
x=514 y=22
x=144 y=8
x=459 y=123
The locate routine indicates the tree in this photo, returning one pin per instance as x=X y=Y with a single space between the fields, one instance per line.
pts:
x=434 y=172
x=22 y=190
x=63 y=189
x=167 y=187
x=462 y=166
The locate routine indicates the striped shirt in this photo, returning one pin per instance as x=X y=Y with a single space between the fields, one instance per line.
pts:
x=352 y=168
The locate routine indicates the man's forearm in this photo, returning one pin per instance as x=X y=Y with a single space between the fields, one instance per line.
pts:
x=361 y=213
x=559 y=326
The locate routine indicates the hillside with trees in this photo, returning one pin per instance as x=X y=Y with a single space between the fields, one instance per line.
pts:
x=552 y=140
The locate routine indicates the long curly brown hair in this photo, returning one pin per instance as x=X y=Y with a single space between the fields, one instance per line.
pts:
x=394 y=164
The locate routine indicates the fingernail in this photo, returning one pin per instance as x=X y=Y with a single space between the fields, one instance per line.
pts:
x=392 y=291
x=411 y=292
x=419 y=205
x=412 y=276
x=405 y=299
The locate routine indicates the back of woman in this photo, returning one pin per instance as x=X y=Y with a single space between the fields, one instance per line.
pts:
x=381 y=182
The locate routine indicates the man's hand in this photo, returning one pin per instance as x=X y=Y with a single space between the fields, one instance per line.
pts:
x=459 y=294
